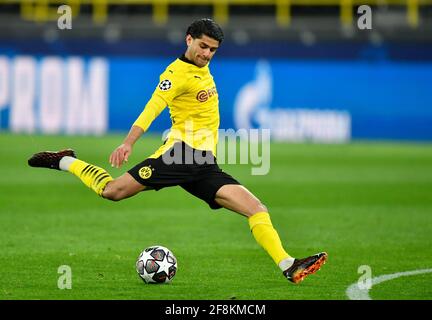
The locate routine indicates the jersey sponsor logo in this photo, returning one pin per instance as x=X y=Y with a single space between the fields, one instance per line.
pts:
x=145 y=172
x=165 y=85
x=204 y=95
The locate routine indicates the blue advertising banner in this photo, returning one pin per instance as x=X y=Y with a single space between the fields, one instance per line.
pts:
x=320 y=101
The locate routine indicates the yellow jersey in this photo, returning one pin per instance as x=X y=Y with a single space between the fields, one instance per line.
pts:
x=191 y=96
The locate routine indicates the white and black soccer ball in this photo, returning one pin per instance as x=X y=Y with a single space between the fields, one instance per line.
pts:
x=165 y=85
x=156 y=264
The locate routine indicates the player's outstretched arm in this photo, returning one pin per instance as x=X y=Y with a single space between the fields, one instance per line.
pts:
x=151 y=111
x=122 y=152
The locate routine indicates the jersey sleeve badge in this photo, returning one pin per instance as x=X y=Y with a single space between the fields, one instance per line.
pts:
x=165 y=85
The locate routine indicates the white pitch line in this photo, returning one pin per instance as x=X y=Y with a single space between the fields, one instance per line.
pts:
x=354 y=292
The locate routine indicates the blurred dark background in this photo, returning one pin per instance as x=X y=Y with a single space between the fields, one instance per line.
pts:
x=256 y=27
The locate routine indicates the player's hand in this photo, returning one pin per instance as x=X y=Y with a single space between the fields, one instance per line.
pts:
x=120 y=155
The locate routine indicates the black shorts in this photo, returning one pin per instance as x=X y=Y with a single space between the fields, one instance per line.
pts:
x=180 y=166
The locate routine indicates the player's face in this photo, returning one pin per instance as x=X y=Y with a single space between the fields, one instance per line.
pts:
x=201 y=50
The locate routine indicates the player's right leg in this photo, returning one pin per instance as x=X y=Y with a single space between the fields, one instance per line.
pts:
x=96 y=178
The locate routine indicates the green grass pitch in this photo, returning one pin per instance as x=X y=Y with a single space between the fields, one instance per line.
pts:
x=363 y=203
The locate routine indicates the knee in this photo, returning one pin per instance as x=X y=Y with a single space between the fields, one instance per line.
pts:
x=257 y=208
x=260 y=207
x=113 y=193
x=113 y=196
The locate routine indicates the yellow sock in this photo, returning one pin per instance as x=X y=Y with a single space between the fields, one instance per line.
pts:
x=264 y=233
x=93 y=177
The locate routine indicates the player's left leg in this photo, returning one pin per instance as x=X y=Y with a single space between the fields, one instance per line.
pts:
x=238 y=199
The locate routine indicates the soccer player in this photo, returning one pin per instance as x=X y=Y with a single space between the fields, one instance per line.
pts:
x=187 y=157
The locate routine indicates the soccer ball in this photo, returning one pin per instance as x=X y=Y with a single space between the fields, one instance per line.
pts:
x=156 y=264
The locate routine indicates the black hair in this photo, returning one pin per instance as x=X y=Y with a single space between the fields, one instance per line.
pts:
x=207 y=27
